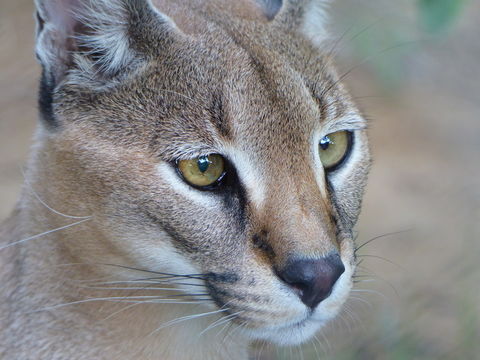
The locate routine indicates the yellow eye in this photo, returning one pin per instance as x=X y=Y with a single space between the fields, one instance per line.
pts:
x=334 y=149
x=202 y=171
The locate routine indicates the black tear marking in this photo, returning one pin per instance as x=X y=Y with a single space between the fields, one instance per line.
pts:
x=180 y=243
x=234 y=195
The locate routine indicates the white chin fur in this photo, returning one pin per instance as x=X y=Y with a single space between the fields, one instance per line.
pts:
x=306 y=328
x=288 y=336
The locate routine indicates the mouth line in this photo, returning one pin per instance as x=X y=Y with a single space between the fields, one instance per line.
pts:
x=294 y=325
x=299 y=324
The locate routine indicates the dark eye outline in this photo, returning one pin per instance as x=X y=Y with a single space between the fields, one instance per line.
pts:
x=212 y=187
x=346 y=155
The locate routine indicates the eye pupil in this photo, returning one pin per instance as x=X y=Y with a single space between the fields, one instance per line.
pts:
x=203 y=163
x=325 y=143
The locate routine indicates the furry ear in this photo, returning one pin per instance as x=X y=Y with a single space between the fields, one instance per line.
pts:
x=308 y=16
x=101 y=38
x=270 y=8
x=315 y=21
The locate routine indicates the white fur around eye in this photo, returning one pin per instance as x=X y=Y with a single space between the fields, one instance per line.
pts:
x=203 y=198
x=249 y=174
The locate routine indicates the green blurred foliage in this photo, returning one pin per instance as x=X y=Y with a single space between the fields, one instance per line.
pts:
x=438 y=15
x=384 y=51
x=389 y=44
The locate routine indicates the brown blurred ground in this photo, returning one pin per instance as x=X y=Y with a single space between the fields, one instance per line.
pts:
x=426 y=143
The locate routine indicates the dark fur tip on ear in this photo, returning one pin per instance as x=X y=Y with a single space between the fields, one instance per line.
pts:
x=39 y=21
x=45 y=101
x=271 y=8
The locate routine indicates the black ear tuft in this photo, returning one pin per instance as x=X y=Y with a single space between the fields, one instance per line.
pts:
x=94 y=43
x=45 y=100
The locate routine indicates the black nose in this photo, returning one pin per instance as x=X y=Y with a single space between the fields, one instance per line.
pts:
x=313 y=278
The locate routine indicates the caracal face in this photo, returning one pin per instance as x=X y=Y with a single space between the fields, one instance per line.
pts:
x=271 y=243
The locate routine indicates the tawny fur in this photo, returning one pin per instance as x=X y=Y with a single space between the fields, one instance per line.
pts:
x=132 y=95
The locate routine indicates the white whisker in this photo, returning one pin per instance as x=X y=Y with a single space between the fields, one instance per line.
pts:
x=375 y=278
x=315 y=346
x=118 y=282
x=361 y=300
x=353 y=315
x=147 y=288
x=329 y=346
x=300 y=351
x=371 y=292
x=141 y=281
x=227 y=335
x=31 y=188
x=144 y=299
x=43 y=234
x=121 y=310
x=220 y=321
x=347 y=312
x=227 y=325
x=338 y=325
x=185 y=318
x=259 y=355
x=320 y=344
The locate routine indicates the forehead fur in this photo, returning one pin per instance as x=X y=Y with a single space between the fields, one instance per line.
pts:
x=234 y=77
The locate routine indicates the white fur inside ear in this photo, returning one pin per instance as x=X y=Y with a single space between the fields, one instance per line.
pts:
x=95 y=35
x=315 y=21
x=109 y=21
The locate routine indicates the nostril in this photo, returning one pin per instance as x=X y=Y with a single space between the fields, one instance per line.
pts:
x=313 y=279
x=298 y=288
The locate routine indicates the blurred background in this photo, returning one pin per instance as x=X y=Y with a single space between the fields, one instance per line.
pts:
x=413 y=68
